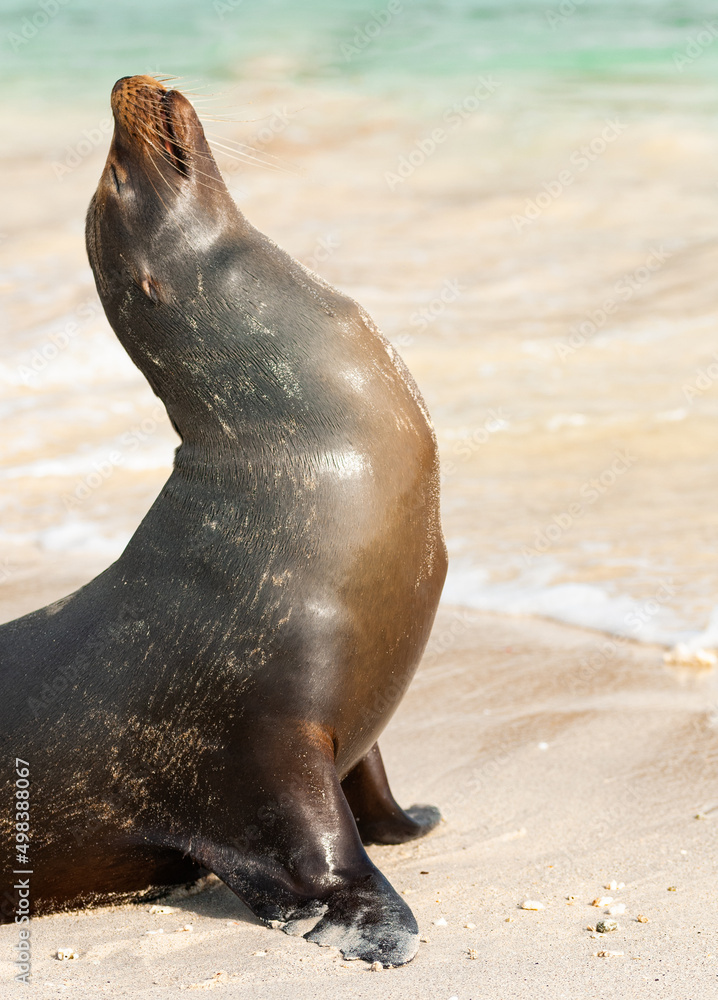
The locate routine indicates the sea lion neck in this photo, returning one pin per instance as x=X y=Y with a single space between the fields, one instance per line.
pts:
x=240 y=342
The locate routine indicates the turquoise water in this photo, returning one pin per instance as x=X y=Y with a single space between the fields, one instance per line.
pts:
x=68 y=47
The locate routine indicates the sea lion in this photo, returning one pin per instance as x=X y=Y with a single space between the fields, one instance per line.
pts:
x=212 y=701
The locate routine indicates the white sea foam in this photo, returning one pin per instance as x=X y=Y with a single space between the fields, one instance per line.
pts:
x=532 y=592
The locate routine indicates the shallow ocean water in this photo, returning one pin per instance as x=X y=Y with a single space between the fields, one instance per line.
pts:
x=546 y=267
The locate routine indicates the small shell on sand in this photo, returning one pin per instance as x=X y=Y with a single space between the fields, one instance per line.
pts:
x=640 y=919
x=209 y=984
x=616 y=910
x=532 y=904
x=602 y=901
x=606 y=926
x=470 y=926
x=163 y=909
x=607 y=954
x=259 y=954
x=66 y=954
x=424 y=939
x=187 y=927
x=376 y=967
x=615 y=885
x=441 y=922
x=473 y=953
x=672 y=888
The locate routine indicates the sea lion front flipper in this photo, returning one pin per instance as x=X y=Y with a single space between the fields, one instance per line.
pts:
x=378 y=816
x=299 y=862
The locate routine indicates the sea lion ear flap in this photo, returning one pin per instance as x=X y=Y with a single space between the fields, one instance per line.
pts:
x=151 y=289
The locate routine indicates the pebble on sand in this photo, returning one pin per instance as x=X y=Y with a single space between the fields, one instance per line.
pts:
x=532 y=904
x=163 y=909
x=441 y=922
x=607 y=954
x=66 y=954
x=606 y=926
x=640 y=919
x=473 y=953
x=602 y=901
x=376 y=967
x=616 y=910
x=683 y=656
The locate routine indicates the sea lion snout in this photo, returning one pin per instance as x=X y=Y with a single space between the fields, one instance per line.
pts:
x=157 y=125
x=160 y=181
x=129 y=83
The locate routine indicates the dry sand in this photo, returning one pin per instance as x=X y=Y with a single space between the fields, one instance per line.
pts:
x=554 y=781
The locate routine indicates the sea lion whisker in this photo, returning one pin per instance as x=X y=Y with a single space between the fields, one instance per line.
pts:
x=230 y=147
x=161 y=151
x=230 y=151
x=237 y=155
x=170 y=186
x=254 y=161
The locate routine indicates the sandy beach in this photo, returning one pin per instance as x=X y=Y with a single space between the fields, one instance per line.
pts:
x=566 y=360
x=554 y=783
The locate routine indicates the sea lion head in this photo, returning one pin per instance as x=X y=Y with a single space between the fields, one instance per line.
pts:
x=163 y=238
x=158 y=170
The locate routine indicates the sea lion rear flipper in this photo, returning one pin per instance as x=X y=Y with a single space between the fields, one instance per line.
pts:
x=378 y=816
x=300 y=863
